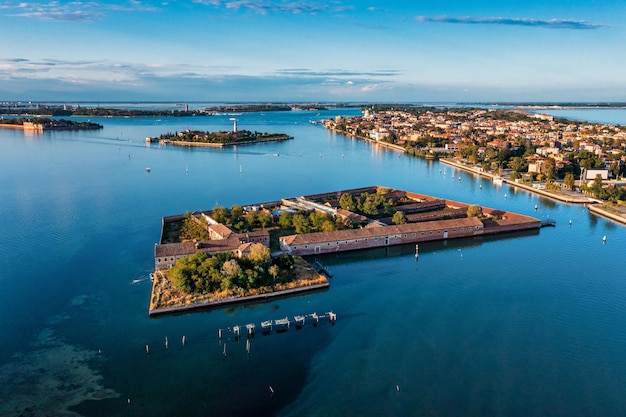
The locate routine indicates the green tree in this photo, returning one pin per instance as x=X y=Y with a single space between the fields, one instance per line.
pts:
x=517 y=164
x=264 y=218
x=596 y=186
x=474 y=211
x=569 y=180
x=220 y=214
x=231 y=269
x=236 y=212
x=346 y=201
x=285 y=220
x=301 y=223
x=328 y=226
x=259 y=253
x=399 y=217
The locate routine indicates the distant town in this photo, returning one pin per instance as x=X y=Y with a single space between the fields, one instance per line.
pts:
x=514 y=144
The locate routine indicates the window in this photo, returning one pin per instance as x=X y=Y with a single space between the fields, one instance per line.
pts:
x=306 y=246
x=423 y=233
x=414 y=234
x=405 y=235
x=365 y=239
x=430 y=233
x=462 y=229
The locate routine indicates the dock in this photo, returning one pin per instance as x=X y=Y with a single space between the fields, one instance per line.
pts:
x=282 y=324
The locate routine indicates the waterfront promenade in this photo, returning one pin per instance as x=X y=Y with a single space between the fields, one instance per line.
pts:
x=572 y=197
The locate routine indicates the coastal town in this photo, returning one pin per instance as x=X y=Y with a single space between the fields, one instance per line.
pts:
x=275 y=235
x=571 y=161
x=529 y=146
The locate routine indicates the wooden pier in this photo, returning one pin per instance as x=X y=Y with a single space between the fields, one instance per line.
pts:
x=283 y=324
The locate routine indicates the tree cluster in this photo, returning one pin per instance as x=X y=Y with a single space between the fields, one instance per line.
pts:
x=202 y=273
x=371 y=204
x=240 y=221
x=193 y=228
x=314 y=222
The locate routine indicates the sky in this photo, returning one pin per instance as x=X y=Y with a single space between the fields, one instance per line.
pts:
x=313 y=51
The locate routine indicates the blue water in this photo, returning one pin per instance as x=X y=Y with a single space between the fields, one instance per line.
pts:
x=528 y=324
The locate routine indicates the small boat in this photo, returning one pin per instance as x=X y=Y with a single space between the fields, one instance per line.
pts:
x=282 y=324
x=266 y=326
x=152 y=276
x=250 y=327
x=299 y=321
x=148 y=169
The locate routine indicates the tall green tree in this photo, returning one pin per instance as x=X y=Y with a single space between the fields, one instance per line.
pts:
x=399 y=217
x=569 y=180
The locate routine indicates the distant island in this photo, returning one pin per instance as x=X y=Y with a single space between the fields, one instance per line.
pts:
x=40 y=123
x=18 y=109
x=218 y=139
x=249 y=108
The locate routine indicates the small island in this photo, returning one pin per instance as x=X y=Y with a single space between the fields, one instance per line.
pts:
x=250 y=253
x=218 y=139
x=42 y=123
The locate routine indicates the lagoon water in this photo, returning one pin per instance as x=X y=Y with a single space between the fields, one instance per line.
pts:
x=528 y=324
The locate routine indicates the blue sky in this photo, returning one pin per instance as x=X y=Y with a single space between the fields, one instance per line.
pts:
x=306 y=50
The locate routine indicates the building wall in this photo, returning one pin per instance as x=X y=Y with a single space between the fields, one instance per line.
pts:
x=381 y=240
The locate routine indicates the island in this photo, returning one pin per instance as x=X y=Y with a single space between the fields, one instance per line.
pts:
x=248 y=253
x=41 y=123
x=217 y=139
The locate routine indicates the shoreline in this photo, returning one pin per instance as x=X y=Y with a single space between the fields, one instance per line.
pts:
x=232 y=300
x=594 y=205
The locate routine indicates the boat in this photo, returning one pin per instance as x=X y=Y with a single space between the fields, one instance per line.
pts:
x=152 y=276
x=497 y=180
x=266 y=326
x=299 y=320
x=148 y=169
x=250 y=327
x=282 y=324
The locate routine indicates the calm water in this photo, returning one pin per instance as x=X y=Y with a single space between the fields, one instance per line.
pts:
x=524 y=325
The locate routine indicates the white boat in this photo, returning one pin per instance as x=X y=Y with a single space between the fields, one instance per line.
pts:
x=282 y=324
x=299 y=320
x=497 y=180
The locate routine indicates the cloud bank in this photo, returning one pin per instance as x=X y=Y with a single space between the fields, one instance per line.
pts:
x=267 y=6
x=74 y=11
x=548 y=24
